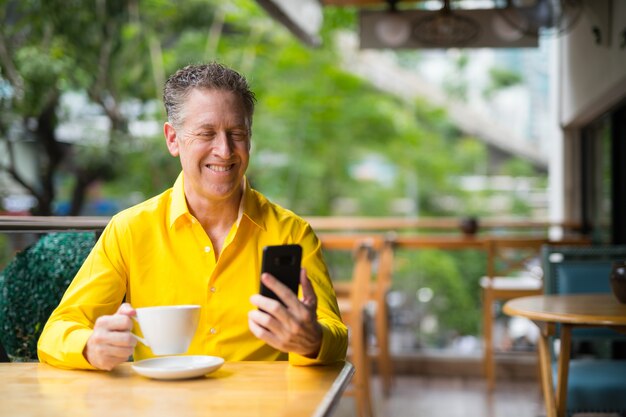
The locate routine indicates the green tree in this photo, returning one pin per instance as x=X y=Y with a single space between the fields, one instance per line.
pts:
x=105 y=50
x=501 y=78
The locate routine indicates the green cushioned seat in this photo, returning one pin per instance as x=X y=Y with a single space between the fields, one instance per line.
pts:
x=595 y=386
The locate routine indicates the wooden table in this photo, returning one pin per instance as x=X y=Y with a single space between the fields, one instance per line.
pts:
x=236 y=389
x=580 y=310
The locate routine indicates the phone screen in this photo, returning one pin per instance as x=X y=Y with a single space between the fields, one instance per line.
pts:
x=283 y=262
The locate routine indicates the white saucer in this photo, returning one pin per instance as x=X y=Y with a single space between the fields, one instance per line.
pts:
x=177 y=367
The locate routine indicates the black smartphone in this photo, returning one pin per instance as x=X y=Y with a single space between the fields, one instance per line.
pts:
x=283 y=262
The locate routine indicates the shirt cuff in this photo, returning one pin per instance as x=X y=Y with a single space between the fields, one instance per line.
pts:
x=78 y=339
x=71 y=357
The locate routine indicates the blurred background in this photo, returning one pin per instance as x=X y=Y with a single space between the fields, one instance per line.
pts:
x=339 y=130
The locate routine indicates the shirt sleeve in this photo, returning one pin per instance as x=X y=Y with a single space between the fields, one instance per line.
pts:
x=97 y=289
x=334 y=332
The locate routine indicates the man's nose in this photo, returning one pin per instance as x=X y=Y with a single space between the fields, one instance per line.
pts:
x=222 y=145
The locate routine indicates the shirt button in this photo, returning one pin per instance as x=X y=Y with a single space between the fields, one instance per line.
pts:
x=207 y=249
x=213 y=330
x=213 y=289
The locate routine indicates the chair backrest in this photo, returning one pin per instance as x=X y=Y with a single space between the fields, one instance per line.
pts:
x=510 y=256
x=361 y=277
x=578 y=269
x=572 y=270
x=3 y=354
x=341 y=267
x=32 y=285
x=384 y=272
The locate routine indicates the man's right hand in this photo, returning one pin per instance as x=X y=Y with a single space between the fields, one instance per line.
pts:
x=111 y=342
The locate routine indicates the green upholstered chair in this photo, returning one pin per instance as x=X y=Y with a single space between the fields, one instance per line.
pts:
x=3 y=354
x=597 y=375
x=32 y=285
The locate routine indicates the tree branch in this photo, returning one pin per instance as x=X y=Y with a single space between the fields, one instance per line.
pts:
x=100 y=84
x=84 y=179
x=11 y=170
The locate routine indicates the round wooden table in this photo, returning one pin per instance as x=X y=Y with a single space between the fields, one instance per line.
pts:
x=568 y=310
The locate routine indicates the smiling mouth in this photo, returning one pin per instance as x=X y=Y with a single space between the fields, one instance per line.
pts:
x=220 y=168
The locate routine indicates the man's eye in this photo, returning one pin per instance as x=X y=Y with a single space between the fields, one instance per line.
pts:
x=238 y=136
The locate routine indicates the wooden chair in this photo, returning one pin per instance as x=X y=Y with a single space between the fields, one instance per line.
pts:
x=352 y=306
x=596 y=383
x=507 y=277
x=354 y=315
x=383 y=265
x=381 y=316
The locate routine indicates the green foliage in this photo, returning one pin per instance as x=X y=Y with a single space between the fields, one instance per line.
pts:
x=501 y=78
x=314 y=123
x=32 y=285
x=472 y=155
x=453 y=278
x=338 y=18
x=42 y=70
x=520 y=208
x=517 y=167
x=456 y=83
x=149 y=169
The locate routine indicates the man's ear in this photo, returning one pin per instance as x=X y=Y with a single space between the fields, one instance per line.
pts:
x=171 y=139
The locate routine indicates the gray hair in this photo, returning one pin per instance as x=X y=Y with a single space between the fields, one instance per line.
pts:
x=212 y=76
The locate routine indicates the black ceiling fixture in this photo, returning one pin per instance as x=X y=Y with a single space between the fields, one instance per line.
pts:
x=446 y=28
x=542 y=17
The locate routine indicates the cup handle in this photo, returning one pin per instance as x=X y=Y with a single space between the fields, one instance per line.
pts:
x=139 y=339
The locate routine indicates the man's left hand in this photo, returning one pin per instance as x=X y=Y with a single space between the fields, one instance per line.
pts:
x=292 y=327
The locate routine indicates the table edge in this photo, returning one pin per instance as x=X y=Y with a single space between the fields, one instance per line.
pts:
x=578 y=320
x=332 y=397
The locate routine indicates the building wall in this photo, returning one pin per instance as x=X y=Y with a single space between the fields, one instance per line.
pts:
x=593 y=76
x=592 y=82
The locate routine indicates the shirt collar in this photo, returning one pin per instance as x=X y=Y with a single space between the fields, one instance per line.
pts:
x=251 y=205
x=178 y=206
x=248 y=207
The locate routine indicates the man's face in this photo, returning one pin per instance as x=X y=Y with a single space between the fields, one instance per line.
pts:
x=213 y=144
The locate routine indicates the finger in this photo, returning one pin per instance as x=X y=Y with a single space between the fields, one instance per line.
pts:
x=109 y=362
x=116 y=322
x=127 y=310
x=283 y=327
x=263 y=333
x=102 y=355
x=281 y=290
x=269 y=306
x=118 y=352
x=121 y=339
x=308 y=293
x=267 y=321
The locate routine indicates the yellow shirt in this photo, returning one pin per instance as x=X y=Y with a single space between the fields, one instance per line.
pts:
x=157 y=253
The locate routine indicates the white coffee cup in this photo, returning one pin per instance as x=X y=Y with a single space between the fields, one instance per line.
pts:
x=168 y=330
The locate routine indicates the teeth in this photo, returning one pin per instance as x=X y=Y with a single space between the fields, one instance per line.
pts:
x=220 y=168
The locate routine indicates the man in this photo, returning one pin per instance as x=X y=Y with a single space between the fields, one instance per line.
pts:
x=200 y=242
